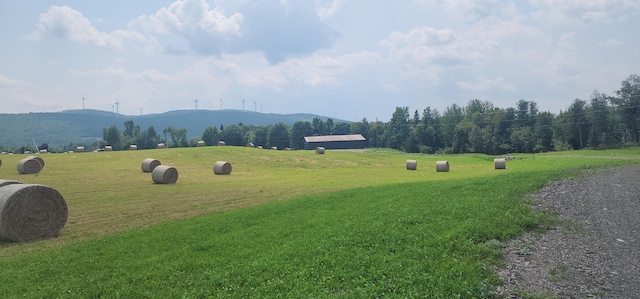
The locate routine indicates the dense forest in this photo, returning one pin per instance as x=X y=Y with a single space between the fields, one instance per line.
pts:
x=600 y=122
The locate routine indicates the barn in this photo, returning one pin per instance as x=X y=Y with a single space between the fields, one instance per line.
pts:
x=354 y=141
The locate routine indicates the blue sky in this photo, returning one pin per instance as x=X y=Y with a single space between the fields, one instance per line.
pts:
x=339 y=58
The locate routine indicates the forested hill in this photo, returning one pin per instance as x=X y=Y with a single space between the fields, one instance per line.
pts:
x=61 y=128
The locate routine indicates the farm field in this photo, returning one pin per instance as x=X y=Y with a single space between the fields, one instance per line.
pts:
x=283 y=224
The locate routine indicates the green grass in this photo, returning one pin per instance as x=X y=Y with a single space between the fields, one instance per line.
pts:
x=369 y=227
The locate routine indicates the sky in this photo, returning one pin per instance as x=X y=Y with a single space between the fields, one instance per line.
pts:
x=344 y=59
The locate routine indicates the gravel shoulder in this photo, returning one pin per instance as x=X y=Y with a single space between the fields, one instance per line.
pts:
x=592 y=252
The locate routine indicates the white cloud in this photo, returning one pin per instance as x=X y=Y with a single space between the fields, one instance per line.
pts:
x=278 y=29
x=586 y=11
x=610 y=42
x=327 y=10
x=563 y=64
x=188 y=17
x=8 y=82
x=67 y=23
x=484 y=84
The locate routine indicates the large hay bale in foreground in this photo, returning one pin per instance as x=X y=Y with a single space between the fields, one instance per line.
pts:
x=79 y=149
x=8 y=182
x=222 y=167
x=200 y=143
x=149 y=164
x=500 y=163
x=29 y=166
x=320 y=150
x=412 y=164
x=31 y=212
x=164 y=174
x=442 y=166
x=37 y=159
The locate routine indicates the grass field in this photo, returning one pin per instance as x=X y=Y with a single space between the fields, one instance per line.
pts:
x=283 y=224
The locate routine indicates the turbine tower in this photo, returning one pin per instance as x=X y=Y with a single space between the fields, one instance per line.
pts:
x=255 y=106
x=243 y=104
x=220 y=104
x=83 y=101
x=117 y=106
x=196 y=101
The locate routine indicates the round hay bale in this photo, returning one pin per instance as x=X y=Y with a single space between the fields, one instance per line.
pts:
x=250 y=144
x=79 y=149
x=43 y=151
x=200 y=143
x=412 y=164
x=30 y=212
x=133 y=147
x=8 y=182
x=40 y=160
x=500 y=163
x=164 y=174
x=221 y=143
x=160 y=145
x=108 y=148
x=275 y=148
x=149 y=164
x=29 y=166
x=287 y=149
x=320 y=150
x=442 y=166
x=259 y=146
x=222 y=167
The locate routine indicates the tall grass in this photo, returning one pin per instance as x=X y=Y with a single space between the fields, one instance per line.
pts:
x=353 y=224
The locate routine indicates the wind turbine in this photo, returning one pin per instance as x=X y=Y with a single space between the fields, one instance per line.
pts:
x=243 y=104
x=83 y=101
x=196 y=101
x=255 y=106
x=117 y=106
x=220 y=104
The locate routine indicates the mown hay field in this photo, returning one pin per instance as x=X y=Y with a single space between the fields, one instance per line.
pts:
x=107 y=192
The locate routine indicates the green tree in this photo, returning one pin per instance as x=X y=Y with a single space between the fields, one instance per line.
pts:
x=113 y=136
x=211 y=135
x=543 y=132
x=604 y=132
x=279 y=136
x=300 y=130
x=341 y=128
x=397 y=130
x=148 y=139
x=450 y=119
x=319 y=127
x=262 y=136
x=178 y=136
x=577 y=125
x=233 y=135
x=628 y=104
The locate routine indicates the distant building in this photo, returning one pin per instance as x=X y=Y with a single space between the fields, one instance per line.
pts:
x=355 y=141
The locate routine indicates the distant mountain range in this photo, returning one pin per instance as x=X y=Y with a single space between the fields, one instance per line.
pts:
x=74 y=126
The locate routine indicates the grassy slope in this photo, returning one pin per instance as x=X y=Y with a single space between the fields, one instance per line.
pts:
x=415 y=233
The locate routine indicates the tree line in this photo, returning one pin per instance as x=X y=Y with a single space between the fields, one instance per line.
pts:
x=601 y=122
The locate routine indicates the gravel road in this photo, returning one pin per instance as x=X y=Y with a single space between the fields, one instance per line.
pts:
x=593 y=252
